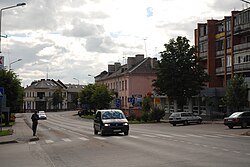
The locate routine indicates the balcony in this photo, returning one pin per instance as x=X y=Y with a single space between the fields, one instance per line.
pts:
x=240 y=47
x=203 y=55
x=203 y=38
x=241 y=29
x=242 y=67
x=220 y=70
x=41 y=98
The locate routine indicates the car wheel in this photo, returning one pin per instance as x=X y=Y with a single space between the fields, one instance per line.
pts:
x=174 y=124
x=102 y=132
x=199 y=121
x=244 y=125
x=95 y=132
x=185 y=123
x=230 y=126
x=126 y=133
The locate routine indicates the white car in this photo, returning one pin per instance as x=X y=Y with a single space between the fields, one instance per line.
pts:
x=184 y=118
x=42 y=115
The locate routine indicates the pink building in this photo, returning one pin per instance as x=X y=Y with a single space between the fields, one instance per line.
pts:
x=131 y=82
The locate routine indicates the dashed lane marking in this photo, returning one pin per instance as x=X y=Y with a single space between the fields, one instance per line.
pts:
x=212 y=136
x=66 y=140
x=83 y=138
x=99 y=138
x=152 y=136
x=49 y=141
x=32 y=142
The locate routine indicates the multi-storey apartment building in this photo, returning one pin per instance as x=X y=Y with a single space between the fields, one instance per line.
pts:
x=39 y=95
x=132 y=81
x=224 y=48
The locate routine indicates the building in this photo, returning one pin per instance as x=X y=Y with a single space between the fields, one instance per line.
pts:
x=131 y=81
x=39 y=95
x=224 y=48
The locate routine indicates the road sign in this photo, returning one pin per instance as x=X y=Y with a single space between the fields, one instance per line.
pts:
x=1 y=91
x=118 y=103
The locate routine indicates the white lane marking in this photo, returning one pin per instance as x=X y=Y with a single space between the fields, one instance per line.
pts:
x=178 y=135
x=132 y=136
x=148 y=135
x=117 y=137
x=237 y=152
x=99 y=138
x=162 y=135
x=49 y=141
x=225 y=149
x=66 y=139
x=32 y=142
x=192 y=135
x=83 y=138
x=212 y=136
x=221 y=135
x=214 y=147
x=248 y=154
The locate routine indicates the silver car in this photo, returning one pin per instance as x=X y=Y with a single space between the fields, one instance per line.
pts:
x=184 y=118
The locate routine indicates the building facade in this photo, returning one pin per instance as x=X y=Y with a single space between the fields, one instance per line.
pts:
x=130 y=82
x=39 y=95
x=224 y=48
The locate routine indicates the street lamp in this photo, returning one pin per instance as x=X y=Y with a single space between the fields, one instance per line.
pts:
x=77 y=80
x=14 y=62
x=9 y=7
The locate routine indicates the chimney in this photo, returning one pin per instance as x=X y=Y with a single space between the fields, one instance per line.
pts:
x=111 y=68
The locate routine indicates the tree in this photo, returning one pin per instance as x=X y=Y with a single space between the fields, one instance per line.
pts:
x=13 y=90
x=179 y=76
x=57 y=98
x=95 y=96
x=146 y=106
x=236 y=93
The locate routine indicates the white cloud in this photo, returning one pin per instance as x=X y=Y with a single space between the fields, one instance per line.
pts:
x=73 y=38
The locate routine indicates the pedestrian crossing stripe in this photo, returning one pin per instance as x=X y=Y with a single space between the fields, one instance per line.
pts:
x=49 y=141
x=66 y=139
x=83 y=138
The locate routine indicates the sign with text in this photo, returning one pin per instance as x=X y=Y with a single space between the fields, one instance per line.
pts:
x=1 y=62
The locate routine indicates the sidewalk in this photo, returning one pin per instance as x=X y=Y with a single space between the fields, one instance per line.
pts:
x=22 y=133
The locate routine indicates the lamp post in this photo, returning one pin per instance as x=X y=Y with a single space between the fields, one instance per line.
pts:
x=77 y=80
x=9 y=7
x=14 y=62
x=92 y=76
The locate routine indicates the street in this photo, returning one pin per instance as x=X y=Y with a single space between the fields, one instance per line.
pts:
x=69 y=141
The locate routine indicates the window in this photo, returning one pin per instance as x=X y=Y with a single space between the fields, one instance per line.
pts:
x=228 y=42
x=219 y=45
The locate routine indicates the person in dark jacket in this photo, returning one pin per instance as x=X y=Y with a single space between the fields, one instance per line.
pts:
x=35 y=119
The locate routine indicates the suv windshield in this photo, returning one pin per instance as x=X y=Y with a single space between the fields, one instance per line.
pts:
x=112 y=115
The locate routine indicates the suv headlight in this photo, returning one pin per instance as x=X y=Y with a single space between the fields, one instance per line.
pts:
x=106 y=124
x=125 y=123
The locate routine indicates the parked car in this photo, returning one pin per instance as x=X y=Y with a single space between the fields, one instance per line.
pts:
x=238 y=119
x=110 y=121
x=184 y=118
x=42 y=115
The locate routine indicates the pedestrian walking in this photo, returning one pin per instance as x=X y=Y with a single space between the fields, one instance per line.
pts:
x=35 y=119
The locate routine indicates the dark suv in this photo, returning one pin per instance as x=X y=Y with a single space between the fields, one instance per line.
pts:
x=238 y=119
x=110 y=121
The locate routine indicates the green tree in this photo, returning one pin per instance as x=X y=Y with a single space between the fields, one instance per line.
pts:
x=146 y=106
x=13 y=90
x=95 y=96
x=57 y=98
x=236 y=93
x=179 y=76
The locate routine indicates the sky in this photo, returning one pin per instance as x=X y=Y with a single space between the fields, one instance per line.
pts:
x=75 y=40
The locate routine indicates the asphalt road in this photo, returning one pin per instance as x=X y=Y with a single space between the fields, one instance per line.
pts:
x=69 y=141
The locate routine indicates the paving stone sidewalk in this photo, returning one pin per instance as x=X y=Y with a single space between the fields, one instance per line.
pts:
x=21 y=132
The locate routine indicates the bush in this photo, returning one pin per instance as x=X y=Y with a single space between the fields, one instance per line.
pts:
x=157 y=114
x=145 y=116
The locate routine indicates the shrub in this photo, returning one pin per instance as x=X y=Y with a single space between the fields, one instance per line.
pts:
x=157 y=114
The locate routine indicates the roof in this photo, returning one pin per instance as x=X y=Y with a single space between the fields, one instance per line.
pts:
x=146 y=66
x=46 y=84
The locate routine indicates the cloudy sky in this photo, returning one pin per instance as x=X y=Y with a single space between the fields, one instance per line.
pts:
x=67 y=39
